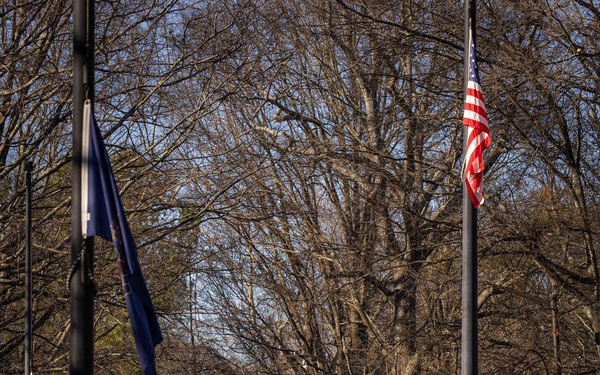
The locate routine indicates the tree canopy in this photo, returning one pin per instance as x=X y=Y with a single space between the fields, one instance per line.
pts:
x=291 y=171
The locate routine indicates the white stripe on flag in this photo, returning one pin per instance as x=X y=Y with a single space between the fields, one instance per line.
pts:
x=475 y=116
x=472 y=99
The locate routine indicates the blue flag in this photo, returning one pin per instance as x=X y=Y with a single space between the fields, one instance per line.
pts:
x=103 y=215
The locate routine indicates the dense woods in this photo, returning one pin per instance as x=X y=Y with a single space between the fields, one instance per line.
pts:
x=291 y=171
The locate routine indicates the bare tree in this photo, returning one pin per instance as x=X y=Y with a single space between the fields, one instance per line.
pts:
x=291 y=173
x=347 y=128
x=141 y=63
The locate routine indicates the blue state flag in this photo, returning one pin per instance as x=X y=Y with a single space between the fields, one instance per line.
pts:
x=103 y=215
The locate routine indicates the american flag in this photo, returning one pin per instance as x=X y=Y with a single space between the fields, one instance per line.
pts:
x=479 y=138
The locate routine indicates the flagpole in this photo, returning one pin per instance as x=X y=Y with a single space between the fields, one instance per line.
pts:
x=28 y=284
x=469 y=350
x=82 y=252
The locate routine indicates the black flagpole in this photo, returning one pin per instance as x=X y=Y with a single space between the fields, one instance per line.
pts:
x=28 y=284
x=82 y=253
x=469 y=238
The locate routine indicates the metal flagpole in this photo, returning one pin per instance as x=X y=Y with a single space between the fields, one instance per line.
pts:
x=82 y=251
x=469 y=238
x=28 y=284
